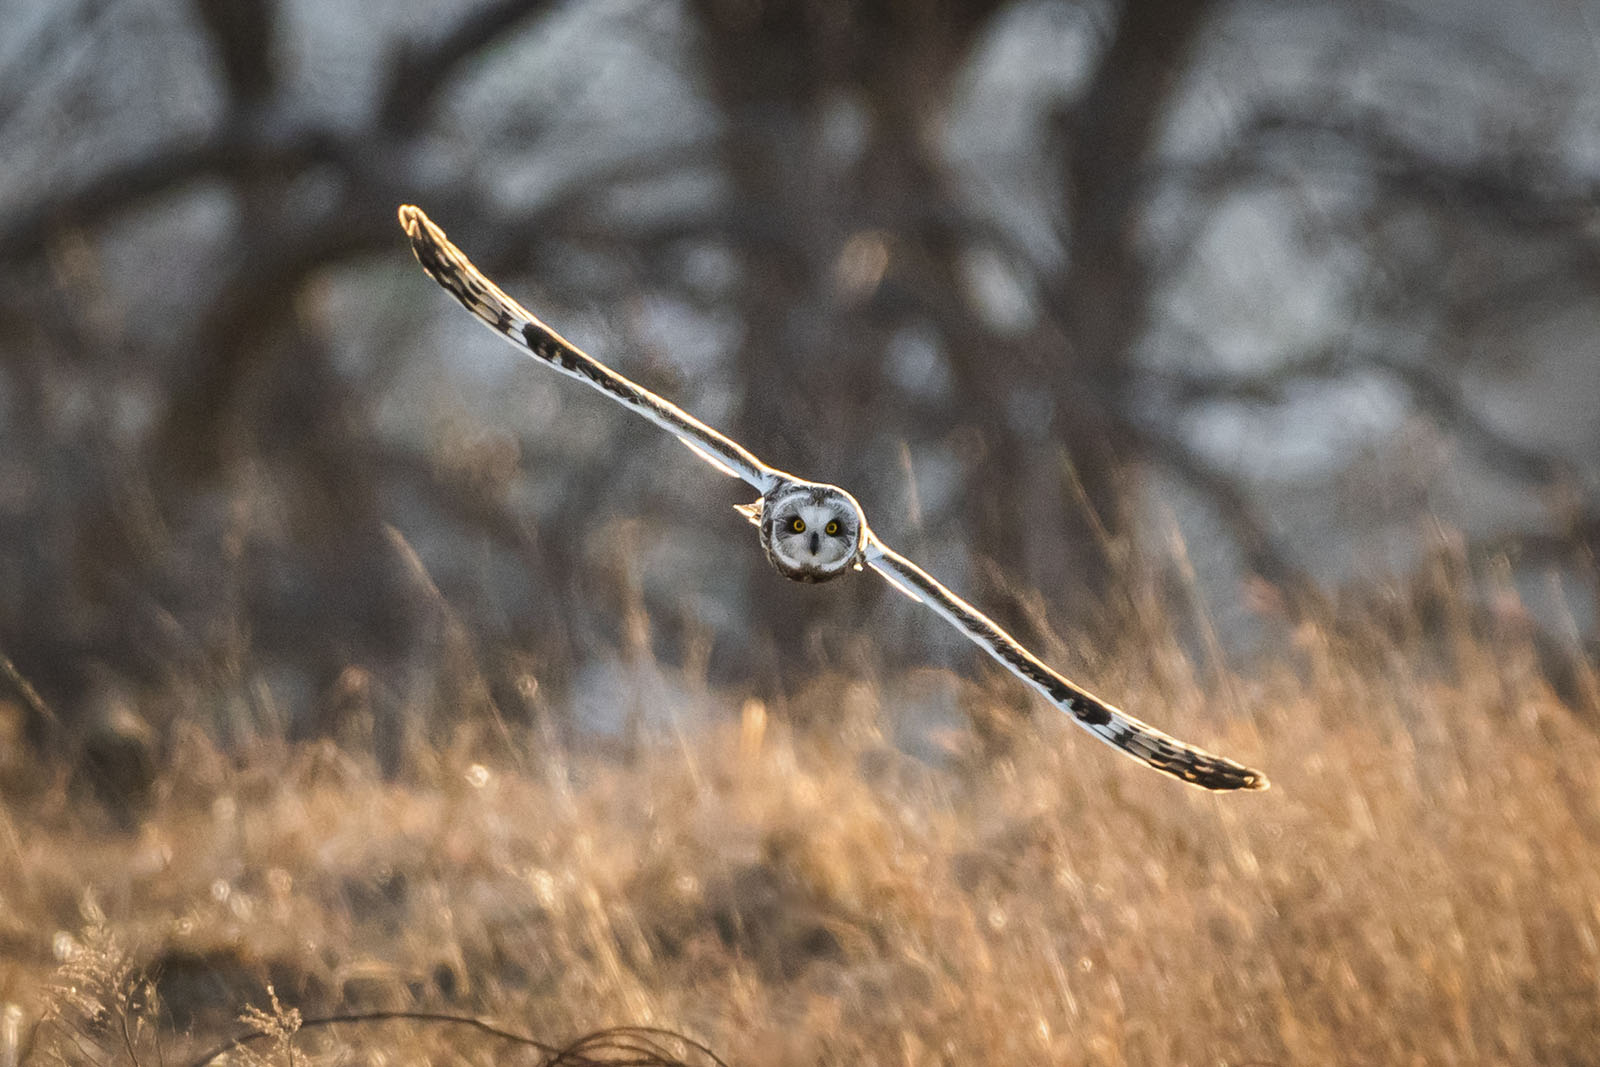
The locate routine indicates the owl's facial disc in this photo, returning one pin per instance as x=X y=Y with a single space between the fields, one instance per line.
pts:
x=812 y=532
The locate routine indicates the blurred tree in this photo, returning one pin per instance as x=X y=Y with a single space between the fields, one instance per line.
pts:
x=1295 y=273
x=850 y=233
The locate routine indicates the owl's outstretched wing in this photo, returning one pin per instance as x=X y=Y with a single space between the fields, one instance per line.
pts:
x=1116 y=728
x=446 y=265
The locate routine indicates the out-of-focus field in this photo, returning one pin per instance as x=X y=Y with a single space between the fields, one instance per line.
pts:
x=1420 y=885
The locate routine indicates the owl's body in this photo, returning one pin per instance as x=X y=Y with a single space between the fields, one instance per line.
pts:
x=814 y=532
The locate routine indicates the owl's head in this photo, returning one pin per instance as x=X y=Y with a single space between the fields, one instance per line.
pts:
x=812 y=532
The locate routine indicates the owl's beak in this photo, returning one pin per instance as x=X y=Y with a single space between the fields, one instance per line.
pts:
x=816 y=542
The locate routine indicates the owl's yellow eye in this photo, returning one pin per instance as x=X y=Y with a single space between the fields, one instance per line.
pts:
x=797 y=525
x=832 y=529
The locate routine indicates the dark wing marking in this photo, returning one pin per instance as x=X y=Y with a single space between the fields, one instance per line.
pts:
x=445 y=264
x=1116 y=728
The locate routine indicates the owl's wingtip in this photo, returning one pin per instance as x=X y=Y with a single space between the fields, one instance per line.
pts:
x=412 y=219
x=1229 y=778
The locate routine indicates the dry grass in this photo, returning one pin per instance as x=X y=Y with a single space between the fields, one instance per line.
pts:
x=1420 y=885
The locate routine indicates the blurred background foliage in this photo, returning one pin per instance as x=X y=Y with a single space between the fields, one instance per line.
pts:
x=1296 y=300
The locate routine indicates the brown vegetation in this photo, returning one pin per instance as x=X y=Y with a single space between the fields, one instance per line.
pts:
x=1418 y=886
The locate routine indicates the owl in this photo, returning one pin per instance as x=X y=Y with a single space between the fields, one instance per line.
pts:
x=812 y=531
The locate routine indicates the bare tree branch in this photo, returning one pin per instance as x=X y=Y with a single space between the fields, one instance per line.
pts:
x=69 y=26
x=418 y=72
x=1444 y=399
x=1433 y=392
x=161 y=171
x=1233 y=504
x=1522 y=189
x=242 y=39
